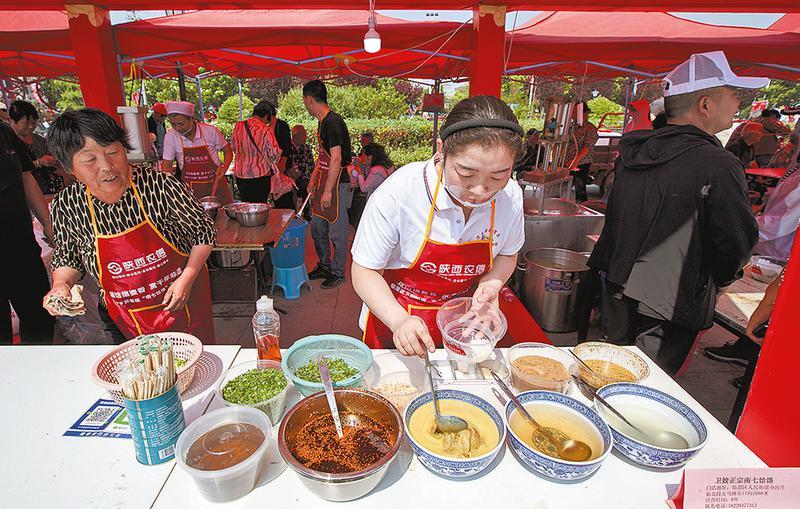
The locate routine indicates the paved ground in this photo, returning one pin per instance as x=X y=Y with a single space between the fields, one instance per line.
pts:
x=336 y=311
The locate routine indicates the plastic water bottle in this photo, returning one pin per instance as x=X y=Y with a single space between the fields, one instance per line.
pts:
x=267 y=330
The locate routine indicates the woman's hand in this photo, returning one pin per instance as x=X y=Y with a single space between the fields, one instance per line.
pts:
x=326 y=199
x=58 y=290
x=178 y=293
x=759 y=317
x=484 y=315
x=411 y=337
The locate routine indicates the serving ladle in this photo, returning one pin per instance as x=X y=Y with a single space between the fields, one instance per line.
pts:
x=444 y=423
x=663 y=438
x=325 y=375
x=566 y=448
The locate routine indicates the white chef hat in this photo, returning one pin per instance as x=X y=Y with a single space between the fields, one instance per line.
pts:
x=180 y=108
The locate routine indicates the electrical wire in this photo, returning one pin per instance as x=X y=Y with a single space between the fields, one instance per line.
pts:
x=510 y=43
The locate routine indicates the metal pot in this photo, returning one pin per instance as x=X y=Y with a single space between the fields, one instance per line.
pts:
x=230 y=209
x=252 y=214
x=552 y=281
x=352 y=485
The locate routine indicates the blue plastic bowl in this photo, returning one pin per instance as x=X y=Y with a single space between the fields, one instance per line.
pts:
x=353 y=351
x=455 y=467
x=548 y=466
x=692 y=426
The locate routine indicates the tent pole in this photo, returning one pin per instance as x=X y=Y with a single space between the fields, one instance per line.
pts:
x=143 y=92
x=241 y=117
x=181 y=82
x=200 y=99
x=4 y=88
x=435 y=119
x=627 y=104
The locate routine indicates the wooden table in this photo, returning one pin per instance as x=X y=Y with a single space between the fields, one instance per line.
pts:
x=232 y=235
x=773 y=173
x=735 y=303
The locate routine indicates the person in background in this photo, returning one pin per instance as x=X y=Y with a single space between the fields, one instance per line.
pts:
x=584 y=136
x=24 y=119
x=257 y=155
x=529 y=156
x=359 y=167
x=678 y=223
x=784 y=155
x=283 y=135
x=330 y=187
x=366 y=138
x=139 y=233
x=157 y=127
x=4 y=118
x=379 y=166
x=771 y=141
x=23 y=277
x=196 y=146
x=743 y=147
x=302 y=163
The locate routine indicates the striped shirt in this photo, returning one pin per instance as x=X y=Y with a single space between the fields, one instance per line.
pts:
x=254 y=160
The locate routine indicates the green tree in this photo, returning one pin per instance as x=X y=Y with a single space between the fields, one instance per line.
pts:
x=229 y=113
x=781 y=94
x=381 y=100
x=600 y=106
x=216 y=90
x=61 y=95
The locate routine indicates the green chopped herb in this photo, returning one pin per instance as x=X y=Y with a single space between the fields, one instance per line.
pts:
x=179 y=363
x=338 y=368
x=254 y=386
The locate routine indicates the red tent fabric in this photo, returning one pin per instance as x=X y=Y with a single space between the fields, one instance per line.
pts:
x=650 y=42
x=787 y=23
x=34 y=31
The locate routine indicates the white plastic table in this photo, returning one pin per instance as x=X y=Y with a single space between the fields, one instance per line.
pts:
x=43 y=391
x=508 y=483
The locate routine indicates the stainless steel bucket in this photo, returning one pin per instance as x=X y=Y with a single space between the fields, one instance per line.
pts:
x=552 y=281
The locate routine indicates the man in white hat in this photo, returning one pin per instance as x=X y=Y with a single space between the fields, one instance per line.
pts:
x=679 y=223
x=196 y=146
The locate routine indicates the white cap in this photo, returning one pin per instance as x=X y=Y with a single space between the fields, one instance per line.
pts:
x=181 y=108
x=264 y=303
x=706 y=70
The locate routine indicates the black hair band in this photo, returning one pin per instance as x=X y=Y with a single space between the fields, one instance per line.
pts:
x=495 y=123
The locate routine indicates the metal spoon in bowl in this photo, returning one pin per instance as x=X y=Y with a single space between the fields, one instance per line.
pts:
x=663 y=438
x=581 y=361
x=325 y=375
x=567 y=448
x=444 y=423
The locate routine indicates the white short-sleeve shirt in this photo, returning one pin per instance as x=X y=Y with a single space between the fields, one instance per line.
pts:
x=392 y=228
x=204 y=135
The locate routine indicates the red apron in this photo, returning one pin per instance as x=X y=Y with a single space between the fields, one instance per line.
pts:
x=330 y=214
x=136 y=267
x=199 y=171
x=427 y=284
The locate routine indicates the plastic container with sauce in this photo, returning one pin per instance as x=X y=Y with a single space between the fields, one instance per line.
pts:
x=235 y=481
x=527 y=381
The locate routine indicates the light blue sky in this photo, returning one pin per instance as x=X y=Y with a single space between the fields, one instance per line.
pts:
x=522 y=17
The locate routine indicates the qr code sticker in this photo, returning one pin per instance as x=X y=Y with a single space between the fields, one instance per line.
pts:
x=100 y=416
x=166 y=453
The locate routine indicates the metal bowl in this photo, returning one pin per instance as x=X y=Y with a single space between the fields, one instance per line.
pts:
x=230 y=209
x=352 y=485
x=211 y=205
x=252 y=214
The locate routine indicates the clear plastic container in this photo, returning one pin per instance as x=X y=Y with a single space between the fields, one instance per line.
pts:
x=267 y=330
x=462 y=336
x=273 y=407
x=398 y=379
x=527 y=381
x=235 y=481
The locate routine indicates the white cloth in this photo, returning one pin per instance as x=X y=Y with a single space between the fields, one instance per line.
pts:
x=204 y=135
x=778 y=224
x=392 y=228
x=180 y=108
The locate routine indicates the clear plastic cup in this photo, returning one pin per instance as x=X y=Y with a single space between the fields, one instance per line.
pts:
x=470 y=334
x=235 y=481
x=526 y=380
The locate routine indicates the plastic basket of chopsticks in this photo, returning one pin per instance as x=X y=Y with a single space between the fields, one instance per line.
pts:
x=185 y=346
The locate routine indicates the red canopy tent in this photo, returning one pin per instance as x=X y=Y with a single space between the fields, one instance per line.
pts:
x=646 y=44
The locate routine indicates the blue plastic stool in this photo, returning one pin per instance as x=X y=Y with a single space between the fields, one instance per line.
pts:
x=290 y=280
x=288 y=261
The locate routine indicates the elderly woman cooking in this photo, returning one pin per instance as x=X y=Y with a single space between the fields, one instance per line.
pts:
x=138 y=232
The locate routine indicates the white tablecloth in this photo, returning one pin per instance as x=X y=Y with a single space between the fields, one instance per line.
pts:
x=617 y=484
x=43 y=391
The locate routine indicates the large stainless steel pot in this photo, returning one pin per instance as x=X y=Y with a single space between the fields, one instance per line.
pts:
x=551 y=284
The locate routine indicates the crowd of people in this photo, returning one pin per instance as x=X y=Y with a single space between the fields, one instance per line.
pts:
x=679 y=220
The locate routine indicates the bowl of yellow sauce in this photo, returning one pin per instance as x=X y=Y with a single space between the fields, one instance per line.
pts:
x=610 y=364
x=456 y=455
x=566 y=416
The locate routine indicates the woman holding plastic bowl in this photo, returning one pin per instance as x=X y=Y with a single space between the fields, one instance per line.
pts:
x=443 y=228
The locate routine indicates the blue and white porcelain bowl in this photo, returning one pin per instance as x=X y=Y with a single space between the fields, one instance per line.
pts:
x=455 y=467
x=548 y=466
x=677 y=416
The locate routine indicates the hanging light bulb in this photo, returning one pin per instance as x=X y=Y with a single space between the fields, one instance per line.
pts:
x=372 y=39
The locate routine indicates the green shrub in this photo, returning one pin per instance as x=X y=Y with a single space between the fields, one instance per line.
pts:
x=228 y=113
x=379 y=101
x=600 y=106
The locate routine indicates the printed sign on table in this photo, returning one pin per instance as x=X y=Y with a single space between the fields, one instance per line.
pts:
x=104 y=418
x=736 y=488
